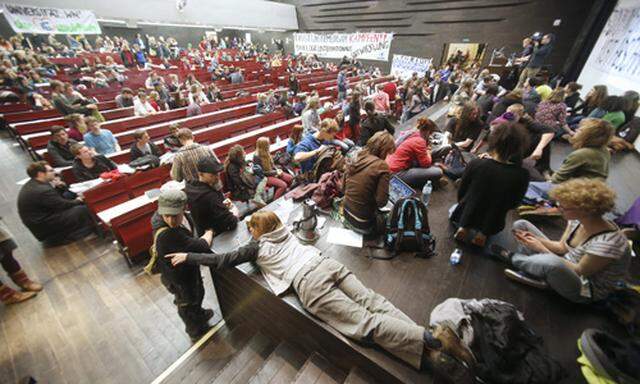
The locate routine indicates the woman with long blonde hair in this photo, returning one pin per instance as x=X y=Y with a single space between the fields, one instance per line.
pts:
x=590 y=159
x=328 y=290
x=276 y=178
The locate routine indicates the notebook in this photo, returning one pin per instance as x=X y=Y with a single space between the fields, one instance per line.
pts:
x=398 y=189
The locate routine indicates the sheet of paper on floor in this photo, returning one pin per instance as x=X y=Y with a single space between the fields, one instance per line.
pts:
x=346 y=237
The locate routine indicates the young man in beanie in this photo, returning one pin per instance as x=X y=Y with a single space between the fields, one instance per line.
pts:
x=209 y=208
x=173 y=231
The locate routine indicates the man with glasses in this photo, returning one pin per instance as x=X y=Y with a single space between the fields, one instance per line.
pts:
x=51 y=218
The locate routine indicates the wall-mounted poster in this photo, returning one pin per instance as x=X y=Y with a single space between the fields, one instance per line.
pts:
x=362 y=45
x=45 y=20
x=404 y=66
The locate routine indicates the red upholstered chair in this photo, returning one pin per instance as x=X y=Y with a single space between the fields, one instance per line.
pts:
x=107 y=195
x=133 y=231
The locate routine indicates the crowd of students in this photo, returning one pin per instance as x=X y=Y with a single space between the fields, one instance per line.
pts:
x=495 y=145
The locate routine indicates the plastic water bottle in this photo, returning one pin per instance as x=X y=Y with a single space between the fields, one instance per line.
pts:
x=426 y=192
x=456 y=257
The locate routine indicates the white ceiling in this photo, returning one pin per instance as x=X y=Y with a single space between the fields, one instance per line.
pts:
x=260 y=14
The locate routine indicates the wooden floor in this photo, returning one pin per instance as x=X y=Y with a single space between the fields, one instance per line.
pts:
x=98 y=321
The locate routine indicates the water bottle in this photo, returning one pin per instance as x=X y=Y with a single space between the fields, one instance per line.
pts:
x=456 y=256
x=426 y=192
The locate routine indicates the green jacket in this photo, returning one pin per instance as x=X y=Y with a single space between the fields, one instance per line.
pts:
x=615 y=118
x=584 y=162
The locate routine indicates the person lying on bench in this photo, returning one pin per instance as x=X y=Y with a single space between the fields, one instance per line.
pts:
x=328 y=290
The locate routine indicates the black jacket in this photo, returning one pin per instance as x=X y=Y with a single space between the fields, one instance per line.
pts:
x=444 y=90
x=174 y=240
x=237 y=184
x=136 y=152
x=102 y=164
x=208 y=209
x=39 y=207
x=60 y=155
x=372 y=124
x=216 y=261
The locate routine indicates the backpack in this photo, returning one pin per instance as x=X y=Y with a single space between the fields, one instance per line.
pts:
x=152 y=161
x=328 y=160
x=282 y=158
x=455 y=163
x=607 y=359
x=329 y=187
x=408 y=228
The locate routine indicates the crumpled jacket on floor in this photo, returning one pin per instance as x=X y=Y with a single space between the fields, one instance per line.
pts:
x=506 y=348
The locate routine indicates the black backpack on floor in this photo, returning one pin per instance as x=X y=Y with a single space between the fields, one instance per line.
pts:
x=408 y=228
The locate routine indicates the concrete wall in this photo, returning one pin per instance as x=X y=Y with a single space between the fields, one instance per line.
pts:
x=423 y=27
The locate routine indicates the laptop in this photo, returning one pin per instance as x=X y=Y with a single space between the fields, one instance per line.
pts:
x=398 y=189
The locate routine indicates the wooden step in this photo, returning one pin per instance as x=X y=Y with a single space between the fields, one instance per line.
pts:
x=357 y=376
x=318 y=370
x=281 y=367
x=247 y=362
x=212 y=356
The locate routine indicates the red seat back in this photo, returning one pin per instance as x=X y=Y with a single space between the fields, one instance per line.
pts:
x=107 y=195
x=133 y=229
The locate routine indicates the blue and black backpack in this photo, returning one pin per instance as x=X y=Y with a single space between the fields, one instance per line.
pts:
x=408 y=228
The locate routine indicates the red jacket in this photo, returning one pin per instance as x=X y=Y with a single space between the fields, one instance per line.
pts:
x=413 y=152
x=390 y=89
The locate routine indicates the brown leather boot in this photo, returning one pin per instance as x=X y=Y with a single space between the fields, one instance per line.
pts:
x=11 y=296
x=452 y=345
x=23 y=281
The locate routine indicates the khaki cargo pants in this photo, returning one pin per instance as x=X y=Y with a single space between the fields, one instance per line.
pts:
x=331 y=292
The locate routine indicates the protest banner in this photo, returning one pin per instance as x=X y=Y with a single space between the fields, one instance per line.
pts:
x=45 y=20
x=362 y=45
x=404 y=66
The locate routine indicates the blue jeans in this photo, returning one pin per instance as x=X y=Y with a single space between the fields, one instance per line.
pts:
x=538 y=191
x=548 y=267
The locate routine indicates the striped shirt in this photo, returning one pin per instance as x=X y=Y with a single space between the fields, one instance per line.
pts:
x=611 y=245
x=185 y=163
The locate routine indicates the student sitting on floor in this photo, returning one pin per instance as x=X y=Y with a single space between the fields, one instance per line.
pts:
x=372 y=123
x=366 y=186
x=492 y=185
x=465 y=126
x=411 y=161
x=276 y=178
x=50 y=217
x=209 y=208
x=328 y=290
x=591 y=258
x=590 y=159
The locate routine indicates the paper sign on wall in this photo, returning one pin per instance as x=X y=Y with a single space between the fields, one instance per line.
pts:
x=45 y=20
x=404 y=66
x=362 y=45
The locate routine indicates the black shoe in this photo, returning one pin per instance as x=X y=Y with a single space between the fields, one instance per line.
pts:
x=500 y=253
x=195 y=336
x=208 y=314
